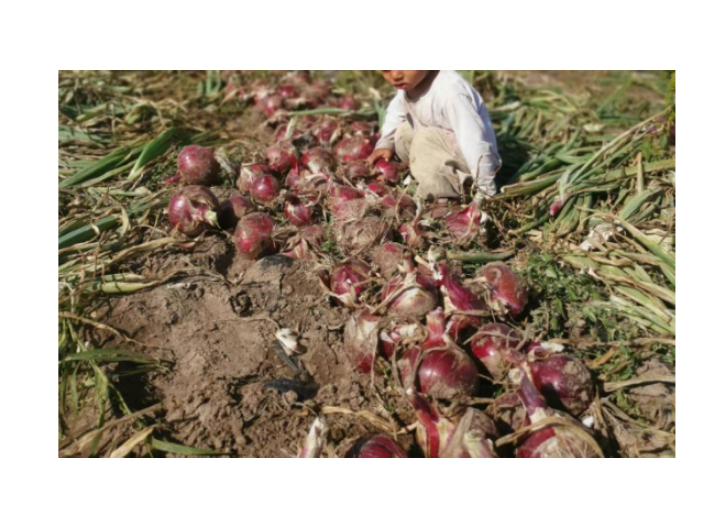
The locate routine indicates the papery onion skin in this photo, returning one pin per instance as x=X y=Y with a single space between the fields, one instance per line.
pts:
x=412 y=296
x=564 y=381
x=355 y=148
x=192 y=208
x=387 y=257
x=361 y=340
x=318 y=160
x=264 y=188
x=387 y=170
x=508 y=292
x=458 y=298
x=347 y=282
x=378 y=446
x=197 y=166
x=247 y=176
x=297 y=211
x=281 y=157
x=465 y=223
x=253 y=235
x=233 y=209
x=496 y=345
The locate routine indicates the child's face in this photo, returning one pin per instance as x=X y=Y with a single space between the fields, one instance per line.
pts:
x=405 y=80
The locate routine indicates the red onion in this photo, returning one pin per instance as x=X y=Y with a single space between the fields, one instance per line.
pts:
x=465 y=223
x=271 y=105
x=348 y=102
x=467 y=436
x=378 y=446
x=355 y=148
x=356 y=170
x=298 y=211
x=387 y=258
x=387 y=170
x=348 y=281
x=247 y=176
x=192 y=208
x=568 y=439
x=362 y=340
x=445 y=370
x=556 y=206
x=318 y=160
x=458 y=298
x=507 y=292
x=264 y=189
x=253 y=235
x=327 y=132
x=281 y=157
x=564 y=381
x=287 y=92
x=293 y=178
x=197 y=165
x=355 y=236
x=412 y=296
x=345 y=201
x=496 y=346
x=233 y=208
x=412 y=234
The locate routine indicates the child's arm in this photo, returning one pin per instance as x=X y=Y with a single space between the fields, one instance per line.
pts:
x=395 y=116
x=475 y=142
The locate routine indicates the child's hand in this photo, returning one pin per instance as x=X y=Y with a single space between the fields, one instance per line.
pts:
x=380 y=153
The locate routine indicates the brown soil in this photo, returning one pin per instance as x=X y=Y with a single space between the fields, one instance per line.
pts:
x=217 y=338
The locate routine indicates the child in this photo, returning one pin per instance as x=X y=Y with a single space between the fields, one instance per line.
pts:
x=439 y=125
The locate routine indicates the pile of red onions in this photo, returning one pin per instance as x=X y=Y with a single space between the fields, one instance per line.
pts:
x=253 y=235
x=354 y=220
x=197 y=166
x=192 y=209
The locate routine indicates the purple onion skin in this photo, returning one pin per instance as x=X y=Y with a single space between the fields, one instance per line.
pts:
x=507 y=288
x=442 y=374
x=264 y=188
x=361 y=340
x=496 y=346
x=413 y=302
x=233 y=209
x=564 y=381
x=253 y=235
x=378 y=446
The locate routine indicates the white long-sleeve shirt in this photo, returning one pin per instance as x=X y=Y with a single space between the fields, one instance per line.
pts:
x=451 y=104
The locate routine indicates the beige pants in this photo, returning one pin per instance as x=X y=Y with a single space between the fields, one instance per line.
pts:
x=435 y=160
